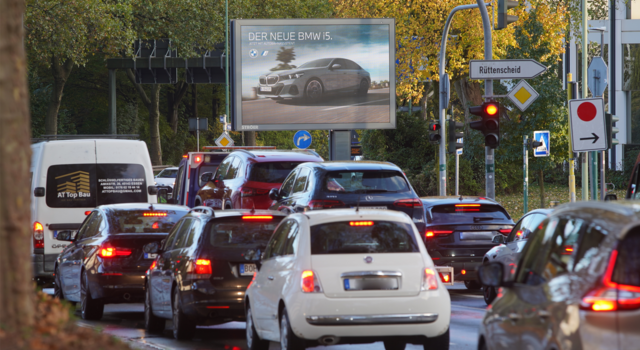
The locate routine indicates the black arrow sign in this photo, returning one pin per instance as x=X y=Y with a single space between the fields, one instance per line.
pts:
x=594 y=138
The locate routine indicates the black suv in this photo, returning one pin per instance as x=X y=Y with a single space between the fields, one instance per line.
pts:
x=204 y=268
x=347 y=184
x=460 y=230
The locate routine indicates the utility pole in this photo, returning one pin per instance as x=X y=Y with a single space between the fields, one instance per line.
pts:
x=525 y=171
x=585 y=155
x=572 y=173
x=226 y=55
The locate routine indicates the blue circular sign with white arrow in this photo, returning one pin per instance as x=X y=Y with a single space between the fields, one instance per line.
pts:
x=302 y=139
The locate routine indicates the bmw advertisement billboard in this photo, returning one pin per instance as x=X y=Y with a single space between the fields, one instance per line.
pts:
x=296 y=74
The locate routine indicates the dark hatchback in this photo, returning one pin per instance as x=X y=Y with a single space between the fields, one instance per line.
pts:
x=204 y=268
x=105 y=262
x=347 y=184
x=460 y=230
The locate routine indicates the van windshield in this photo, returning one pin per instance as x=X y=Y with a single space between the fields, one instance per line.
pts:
x=90 y=185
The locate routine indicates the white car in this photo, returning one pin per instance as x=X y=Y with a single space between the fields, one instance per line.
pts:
x=167 y=177
x=347 y=276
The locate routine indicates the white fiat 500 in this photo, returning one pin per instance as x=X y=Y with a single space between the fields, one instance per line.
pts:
x=347 y=276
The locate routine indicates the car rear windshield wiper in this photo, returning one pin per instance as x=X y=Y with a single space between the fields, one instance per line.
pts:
x=370 y=191
x=478 y=218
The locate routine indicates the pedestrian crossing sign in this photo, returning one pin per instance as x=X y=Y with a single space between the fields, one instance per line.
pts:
x=543 y=137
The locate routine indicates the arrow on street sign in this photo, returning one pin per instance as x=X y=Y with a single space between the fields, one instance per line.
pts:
x=588 y=125
x=505 y=69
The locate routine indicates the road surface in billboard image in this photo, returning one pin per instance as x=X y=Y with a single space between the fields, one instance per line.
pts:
x=315 y=74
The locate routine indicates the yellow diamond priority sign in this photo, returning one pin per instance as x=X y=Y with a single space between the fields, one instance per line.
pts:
x=522 y=95
x=224 y=140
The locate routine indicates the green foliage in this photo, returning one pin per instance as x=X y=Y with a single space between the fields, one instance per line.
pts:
x=40 y=92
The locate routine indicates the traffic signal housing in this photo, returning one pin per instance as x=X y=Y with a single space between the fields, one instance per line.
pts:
x=434 y=133
x=503 y=18
x=490 y=123
x=611 y=130
x=453 y=135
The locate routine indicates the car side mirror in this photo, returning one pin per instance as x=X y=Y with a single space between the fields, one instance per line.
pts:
x=491 y=274
x=274 y=194
x=205 y=177
x=38 y=191
x=500 y=239
x=336 y=66
x=151 y=248
x=152 y=190
x=68 y=236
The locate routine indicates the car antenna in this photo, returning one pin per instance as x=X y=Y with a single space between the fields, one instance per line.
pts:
x=460 y=198
x=151 y=206
x=253 y=209
x=358 y=204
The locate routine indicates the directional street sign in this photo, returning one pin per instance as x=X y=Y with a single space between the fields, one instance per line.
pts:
x=523 y=95
x=224 y=140
x=542 y=136
x=597 y=76
x=505 y=69
x=459 y=150
x=588 y=127
x=302 y=139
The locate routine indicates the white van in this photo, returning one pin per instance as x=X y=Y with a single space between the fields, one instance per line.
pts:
x=70 y=177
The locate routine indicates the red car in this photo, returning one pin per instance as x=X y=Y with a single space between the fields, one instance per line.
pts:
x=244 y=178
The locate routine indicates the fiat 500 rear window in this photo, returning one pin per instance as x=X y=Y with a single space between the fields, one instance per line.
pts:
x=237 y=232
x=356 y=237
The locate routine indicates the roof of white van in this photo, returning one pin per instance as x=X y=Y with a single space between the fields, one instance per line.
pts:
x=81 y=141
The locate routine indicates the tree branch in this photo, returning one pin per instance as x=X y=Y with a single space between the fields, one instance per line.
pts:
x=139 y=89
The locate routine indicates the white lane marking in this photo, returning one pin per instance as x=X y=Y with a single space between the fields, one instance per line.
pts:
x=363 y=103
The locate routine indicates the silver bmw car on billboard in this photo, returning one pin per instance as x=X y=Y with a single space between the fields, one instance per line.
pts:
x=312 y=80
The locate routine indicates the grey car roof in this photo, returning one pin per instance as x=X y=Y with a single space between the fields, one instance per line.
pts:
x=615 y=216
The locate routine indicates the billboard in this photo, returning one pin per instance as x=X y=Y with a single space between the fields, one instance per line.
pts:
x=297 y=74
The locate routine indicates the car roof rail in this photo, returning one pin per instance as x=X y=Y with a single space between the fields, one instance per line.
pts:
x=85 y=136
x=203 y=210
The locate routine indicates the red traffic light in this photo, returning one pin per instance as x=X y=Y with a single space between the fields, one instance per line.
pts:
x=491 y=108
x=434 y=126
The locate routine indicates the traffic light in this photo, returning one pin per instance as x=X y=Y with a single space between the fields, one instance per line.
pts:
x=490 y=123
x=503 y=18
x=611 y=130
x=434 y=133
x=453 y=135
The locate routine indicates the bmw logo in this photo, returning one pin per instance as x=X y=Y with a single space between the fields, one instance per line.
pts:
x=253 y=53
x=368 y=259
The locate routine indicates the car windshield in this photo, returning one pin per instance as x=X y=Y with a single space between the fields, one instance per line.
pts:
x=168 y=173
x=467 y=213
x=237 y=232
x=323 y=62
x=143 y=221
x=368 y=181
x=271 y=172
x=356 y=237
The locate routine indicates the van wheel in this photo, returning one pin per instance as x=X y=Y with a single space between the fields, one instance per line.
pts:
x=288 y=340
x=472 y=285
x=440 y=342
x=152 y=323
x=489 y=294
x=92 y=309
x=394 y=345
x=253 y=339
x=183 y=326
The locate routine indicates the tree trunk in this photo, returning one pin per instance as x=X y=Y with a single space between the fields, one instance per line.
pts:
x=60 y=72
x=250 y=138
x=174 y=98
x=155 y=148
x=470 y=94
x=16 y=291
x=541 y=184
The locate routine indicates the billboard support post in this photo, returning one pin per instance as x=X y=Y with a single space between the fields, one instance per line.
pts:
x=226 y=55
x=443 y=94
x=340 y=145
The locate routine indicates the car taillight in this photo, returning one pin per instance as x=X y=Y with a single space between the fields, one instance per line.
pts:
x=408 y=203
x=203 y=267
x=360 y=223
x=567 y=250
x=309 y=282
x=611 y=296
x=153 y=266
x=38 y=235
x=253 y=279
x=325 y=204
x=87 y=212
x=250 y=192
x=429 y=280
x=257 y=217
x=445 y=277
x=435 y=233
x=505 y=231
x=467 y=207
x=113 y=252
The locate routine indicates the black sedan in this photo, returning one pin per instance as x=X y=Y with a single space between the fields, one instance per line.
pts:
x=105 y=262
x=204 y=267
x=460 y=230
x=347 y=184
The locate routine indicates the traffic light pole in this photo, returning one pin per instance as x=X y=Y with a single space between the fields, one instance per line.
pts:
x=525 y=172
x=486 y=24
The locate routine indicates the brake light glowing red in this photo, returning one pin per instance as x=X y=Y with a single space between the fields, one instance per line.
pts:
x=308 y=283
x=218 y=307
x=430 y=281
x=257 y=217
x=467 y=209
x=155 y=225
x=467 y=205
x=38 y=235
x=185 y=156
x=464 y=272
x=408 y=203
x=112 y=252
x=360 y=223
x=611 y=296
x=87 y=212
x=505 y=231
x=519 y=233
x=438 y=233
x=154 y=214
x=153 y=266
x=203 y=267
x=198 y=159
x=445 y=277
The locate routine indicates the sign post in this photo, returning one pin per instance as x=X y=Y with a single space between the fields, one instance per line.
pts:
x=458 y=153
x=525 y=171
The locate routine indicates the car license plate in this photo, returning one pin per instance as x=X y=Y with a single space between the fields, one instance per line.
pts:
x=391 y=283
x=476 y=235
x=150 y=256
x=265 y=88
x=247 y=269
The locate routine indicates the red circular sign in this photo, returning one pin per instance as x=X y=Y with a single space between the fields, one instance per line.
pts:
x=587 y=111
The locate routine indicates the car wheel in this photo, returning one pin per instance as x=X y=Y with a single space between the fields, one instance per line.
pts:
x=313 y=90
x=364 y=87
x=288 y=340
x=152 y=323
x=472 y=285
x=253 y=339
x=489 y=294
x=394 y=345
x=92 y=309
x=183 y=327
x=440 y=342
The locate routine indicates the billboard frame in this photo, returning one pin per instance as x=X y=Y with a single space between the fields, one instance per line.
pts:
x=235 y=67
